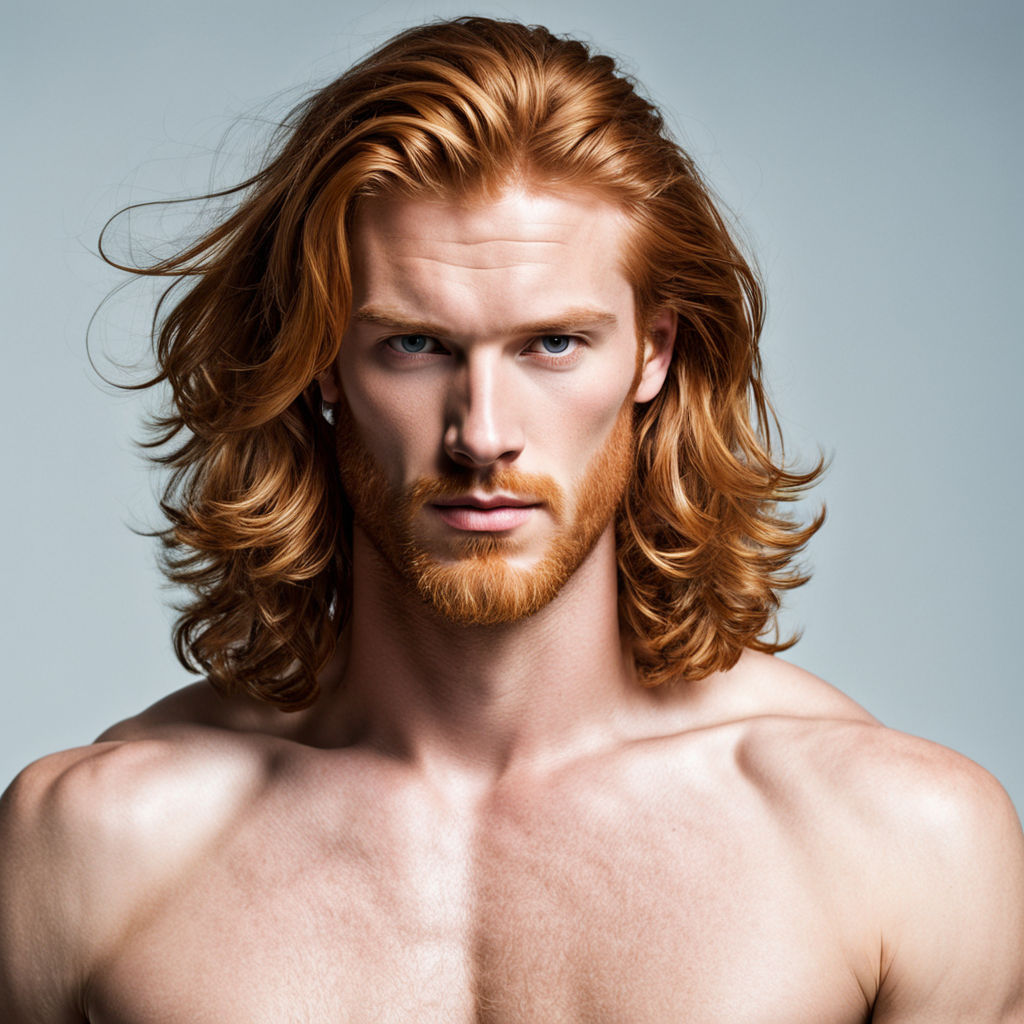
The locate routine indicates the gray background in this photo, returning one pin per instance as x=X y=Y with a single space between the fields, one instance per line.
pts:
x=872 y=152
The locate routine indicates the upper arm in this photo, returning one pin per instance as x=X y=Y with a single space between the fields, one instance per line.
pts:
x=40 y=921
x=953 y=949
x=91 y=839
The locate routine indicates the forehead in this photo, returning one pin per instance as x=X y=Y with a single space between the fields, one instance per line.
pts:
x=523 y=246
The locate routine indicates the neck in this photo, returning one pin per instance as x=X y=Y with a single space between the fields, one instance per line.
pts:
x=481 y=698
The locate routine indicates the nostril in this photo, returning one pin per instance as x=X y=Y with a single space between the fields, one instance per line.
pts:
x=477 y=452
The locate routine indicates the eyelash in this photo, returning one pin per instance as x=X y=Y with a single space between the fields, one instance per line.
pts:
x=394 y=341
x=563 y=357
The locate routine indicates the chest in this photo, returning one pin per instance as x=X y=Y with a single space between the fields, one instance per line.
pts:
x=593 y=906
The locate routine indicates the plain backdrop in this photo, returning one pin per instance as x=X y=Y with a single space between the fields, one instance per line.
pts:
x=871 y=152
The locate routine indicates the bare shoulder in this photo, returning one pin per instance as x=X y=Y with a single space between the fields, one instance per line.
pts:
x=90 y=838
x=123 y=794
x=803 y=738
x=927 y=839
x=944 y=845
x=762 y=686
x=200 y=705
x=875 y=774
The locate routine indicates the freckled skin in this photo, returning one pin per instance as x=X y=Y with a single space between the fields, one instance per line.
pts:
x=495 y=823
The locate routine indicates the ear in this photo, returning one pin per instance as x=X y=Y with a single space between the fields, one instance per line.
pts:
x=658 y=347
x=330 y=384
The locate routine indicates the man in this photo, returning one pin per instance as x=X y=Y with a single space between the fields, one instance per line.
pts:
x=474 y=489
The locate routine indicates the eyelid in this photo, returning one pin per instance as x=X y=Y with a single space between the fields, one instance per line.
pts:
x=533 y=347
x=576 y=344
x=435 y=348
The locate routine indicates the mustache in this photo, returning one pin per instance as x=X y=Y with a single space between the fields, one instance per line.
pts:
x=537 y=487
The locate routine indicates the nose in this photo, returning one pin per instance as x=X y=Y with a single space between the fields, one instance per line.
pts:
x=483 y=429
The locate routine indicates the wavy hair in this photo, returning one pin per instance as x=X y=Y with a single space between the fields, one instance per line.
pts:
x=258 y=527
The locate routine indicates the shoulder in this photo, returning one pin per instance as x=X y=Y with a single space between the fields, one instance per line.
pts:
x=123 y=793
x=89 y=838
x=199 y=704
x=758 y=688
x=804 y=739
x=873 y=775
x=948 y=864
x=925 y=845
x=797 y=726
x=952 y=876
x=763 y=685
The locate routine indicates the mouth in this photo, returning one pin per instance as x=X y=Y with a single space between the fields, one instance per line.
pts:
x=492 y=513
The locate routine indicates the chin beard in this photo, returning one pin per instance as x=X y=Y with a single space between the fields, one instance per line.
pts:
x=482 y=586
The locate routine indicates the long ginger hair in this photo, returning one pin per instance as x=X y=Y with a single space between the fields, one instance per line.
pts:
x=258 y=526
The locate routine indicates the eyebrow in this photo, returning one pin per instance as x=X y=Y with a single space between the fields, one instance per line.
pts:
x=566 y=321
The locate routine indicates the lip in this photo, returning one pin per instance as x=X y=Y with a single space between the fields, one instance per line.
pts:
x=492 y=513
x=486 y=501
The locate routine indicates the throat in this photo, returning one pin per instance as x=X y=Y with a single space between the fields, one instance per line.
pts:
x=487 y=692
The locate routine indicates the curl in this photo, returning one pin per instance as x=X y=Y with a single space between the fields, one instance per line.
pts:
x=258 y=526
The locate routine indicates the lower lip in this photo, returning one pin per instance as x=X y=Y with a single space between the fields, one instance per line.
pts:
x=468 y=517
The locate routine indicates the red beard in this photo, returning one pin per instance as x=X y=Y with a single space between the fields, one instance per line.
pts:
x=481 y=587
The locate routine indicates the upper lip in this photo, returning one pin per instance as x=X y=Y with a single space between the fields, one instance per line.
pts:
x=487 y=501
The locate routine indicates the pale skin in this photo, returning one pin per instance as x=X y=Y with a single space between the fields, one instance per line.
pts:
x=497 y=824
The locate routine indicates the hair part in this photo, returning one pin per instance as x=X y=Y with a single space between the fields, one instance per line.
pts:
x=258 y=526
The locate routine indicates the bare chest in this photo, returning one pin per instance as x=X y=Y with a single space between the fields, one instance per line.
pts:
x=626 y=905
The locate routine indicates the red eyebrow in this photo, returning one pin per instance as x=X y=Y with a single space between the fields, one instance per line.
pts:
x=566 y=321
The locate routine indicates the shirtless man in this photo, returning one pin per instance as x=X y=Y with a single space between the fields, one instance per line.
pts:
x=483 y=549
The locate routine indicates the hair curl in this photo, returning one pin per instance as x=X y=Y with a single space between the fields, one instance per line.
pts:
x=257 y=521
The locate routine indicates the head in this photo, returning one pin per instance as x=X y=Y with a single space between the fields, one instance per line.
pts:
x=484 y=391
x=458 y=118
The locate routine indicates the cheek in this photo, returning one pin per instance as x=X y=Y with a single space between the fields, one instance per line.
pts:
x=396 y=426
x=585 y=414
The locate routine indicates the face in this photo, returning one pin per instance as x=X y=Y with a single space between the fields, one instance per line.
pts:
x=484 y=392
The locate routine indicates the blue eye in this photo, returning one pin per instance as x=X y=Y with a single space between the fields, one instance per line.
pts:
x=555 y=344
x=411 y=343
